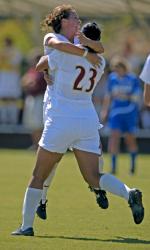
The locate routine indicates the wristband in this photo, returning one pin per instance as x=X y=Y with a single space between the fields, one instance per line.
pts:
x=85 y=53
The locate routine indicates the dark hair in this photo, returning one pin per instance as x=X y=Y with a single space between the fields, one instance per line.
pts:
x=92 y=31
x=54 y=18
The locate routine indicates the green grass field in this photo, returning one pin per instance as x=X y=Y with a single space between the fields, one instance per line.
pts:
x=75 y=222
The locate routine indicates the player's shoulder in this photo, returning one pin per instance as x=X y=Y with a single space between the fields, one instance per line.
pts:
x=48 y=35
x=59 y=37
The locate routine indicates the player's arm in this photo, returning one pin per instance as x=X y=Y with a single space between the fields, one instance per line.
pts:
x=137 y=91
x=95 y=45
x=72 y=49
x=42 y=64
x=147 y=94
x=105 y=107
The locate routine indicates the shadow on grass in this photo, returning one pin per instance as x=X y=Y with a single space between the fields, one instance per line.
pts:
x=128 y=240
x=116 y=240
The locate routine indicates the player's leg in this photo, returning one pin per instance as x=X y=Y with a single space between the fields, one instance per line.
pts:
x=41 y=209
x=88 y=166
x=113 y=185
x=90 y=142
x=101 y=196
x=132 y=149
x=113 y=148
x=131 y=126
x=44 y=165
x=56 y=137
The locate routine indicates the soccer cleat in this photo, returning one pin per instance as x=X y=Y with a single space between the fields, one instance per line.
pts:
x=101 y=198
x=27 y=232
x=135 y=203
x=41 y=210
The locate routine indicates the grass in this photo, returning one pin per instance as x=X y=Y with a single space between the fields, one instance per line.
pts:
x=75 y=222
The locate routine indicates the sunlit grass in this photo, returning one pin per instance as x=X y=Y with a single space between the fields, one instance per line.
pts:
x=75 y=222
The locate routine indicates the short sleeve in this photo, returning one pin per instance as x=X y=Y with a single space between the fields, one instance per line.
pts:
x=48 y=35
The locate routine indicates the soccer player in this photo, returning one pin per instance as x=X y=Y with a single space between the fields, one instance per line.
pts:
x=63 y=38
x=145 y=77
x=121 y=107
x=70 y=110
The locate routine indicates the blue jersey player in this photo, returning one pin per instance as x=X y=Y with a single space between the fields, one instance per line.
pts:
x=121 y=104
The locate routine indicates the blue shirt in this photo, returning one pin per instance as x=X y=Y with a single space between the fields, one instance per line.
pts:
x=121 y=89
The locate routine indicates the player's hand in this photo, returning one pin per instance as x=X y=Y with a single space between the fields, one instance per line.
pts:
x=82 y=38
x=94 y=59
x=47 y=77
x=104 y=115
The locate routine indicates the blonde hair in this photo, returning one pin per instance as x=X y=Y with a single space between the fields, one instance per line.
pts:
x=119 y=61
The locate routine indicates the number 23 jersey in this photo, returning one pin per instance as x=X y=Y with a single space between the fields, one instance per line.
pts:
x=74 y=82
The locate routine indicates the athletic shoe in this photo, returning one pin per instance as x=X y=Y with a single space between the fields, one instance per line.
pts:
x=101 y=198
x=27 y=232
x=135 y=203
x=41 y=210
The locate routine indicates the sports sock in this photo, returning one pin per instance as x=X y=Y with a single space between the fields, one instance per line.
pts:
x=133 y=156
x=113 y=162
x=47 y=183
x=31 y=201
x=113 y=185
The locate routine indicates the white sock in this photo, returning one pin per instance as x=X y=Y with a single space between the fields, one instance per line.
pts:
x=47 y=183
x=31 y=201
x=111 y=184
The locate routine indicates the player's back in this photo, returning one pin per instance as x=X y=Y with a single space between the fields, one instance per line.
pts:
x=75 y=77
x=75 y=80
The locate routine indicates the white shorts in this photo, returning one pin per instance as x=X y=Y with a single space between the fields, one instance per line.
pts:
x=61 y=133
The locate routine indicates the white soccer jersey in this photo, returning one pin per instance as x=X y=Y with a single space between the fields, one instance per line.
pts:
x=75 y=80
x=145 y=74
x=48 y=50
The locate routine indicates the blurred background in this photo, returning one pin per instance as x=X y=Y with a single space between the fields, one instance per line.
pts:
x=125 y=26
